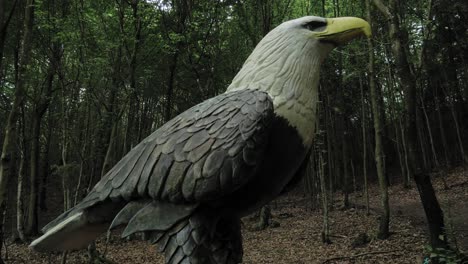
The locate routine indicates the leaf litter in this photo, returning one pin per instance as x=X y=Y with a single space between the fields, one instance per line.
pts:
x=297 y=239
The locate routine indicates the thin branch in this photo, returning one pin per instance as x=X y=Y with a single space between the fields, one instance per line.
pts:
x=360 y=255
x=383 y=9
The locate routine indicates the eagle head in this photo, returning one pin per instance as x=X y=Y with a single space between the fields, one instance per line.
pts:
x=286 y=64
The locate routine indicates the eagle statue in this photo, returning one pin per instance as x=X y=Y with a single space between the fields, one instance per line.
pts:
x=187 y=185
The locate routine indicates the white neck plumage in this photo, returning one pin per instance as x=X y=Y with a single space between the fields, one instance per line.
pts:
x=288 y=70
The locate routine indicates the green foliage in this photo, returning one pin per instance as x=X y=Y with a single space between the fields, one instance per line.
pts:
x=443 y=255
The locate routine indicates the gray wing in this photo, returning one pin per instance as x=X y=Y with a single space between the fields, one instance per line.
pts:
x=204 y=153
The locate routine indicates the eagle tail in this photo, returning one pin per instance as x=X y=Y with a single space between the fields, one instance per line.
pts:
x=77 y=227
x=203 y=237
x=81 y=225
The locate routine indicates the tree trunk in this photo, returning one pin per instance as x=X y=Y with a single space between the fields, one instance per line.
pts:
x=45 y=167
x=19 y=194
x=323 y=191
x=5 y=20
x=426 y=192
x=399 y=133
x=64 y=153
x=19 y=202
x=364 y=146
x=464 y=157
x=442 y=132
x=309 y=181
x=344 y=150
x=170 y=88
x=330 y=162
x=422 y=142
x=133 y=124
x=19 y=97
x=429 y=131
x=401 y=155
x=107 y=164
x=379 y=153
x=41 y=106
x=406 y=158
x=31 y=224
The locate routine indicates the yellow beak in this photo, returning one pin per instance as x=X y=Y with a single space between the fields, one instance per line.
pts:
x=341 y=30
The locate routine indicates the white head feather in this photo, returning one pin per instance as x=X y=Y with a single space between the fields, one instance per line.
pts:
x=286 y=65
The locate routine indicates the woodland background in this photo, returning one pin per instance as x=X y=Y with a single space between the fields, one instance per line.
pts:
x=82 y=82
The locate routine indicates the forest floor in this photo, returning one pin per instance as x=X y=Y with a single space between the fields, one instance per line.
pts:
x=297 y=239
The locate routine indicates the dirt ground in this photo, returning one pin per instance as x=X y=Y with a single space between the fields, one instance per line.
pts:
x=297 y=239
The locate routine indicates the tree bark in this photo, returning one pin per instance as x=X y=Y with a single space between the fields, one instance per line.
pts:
x=5 y=20
x=401 y=155
x=323 y=191
x=427 y=194
x=399 y=130
x=379 y=152
x=344 y=149
x=18 y=100
x=107 y=163
x=464 y=157
x=442 y=131
x=40 y=108
x=422 y=142
x=19 y=194
x=19 y=202
x=406 y=158
x=170 y=88
x=331 y=167
x=429 y=131
x=32 y=219
x=45 y=167
x=364 y=146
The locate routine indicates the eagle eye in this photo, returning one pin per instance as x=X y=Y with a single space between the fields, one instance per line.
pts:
x=315 y=25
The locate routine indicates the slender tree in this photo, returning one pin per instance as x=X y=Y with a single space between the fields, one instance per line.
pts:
x=19 y=97
x=397 y=33
x=5 y=19
x=375 y=95
x=364 y=145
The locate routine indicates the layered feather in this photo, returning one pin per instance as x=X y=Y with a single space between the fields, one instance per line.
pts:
x=202 y=155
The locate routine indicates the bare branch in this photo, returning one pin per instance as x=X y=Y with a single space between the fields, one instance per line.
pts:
x=382 y=8
x=360 y=255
